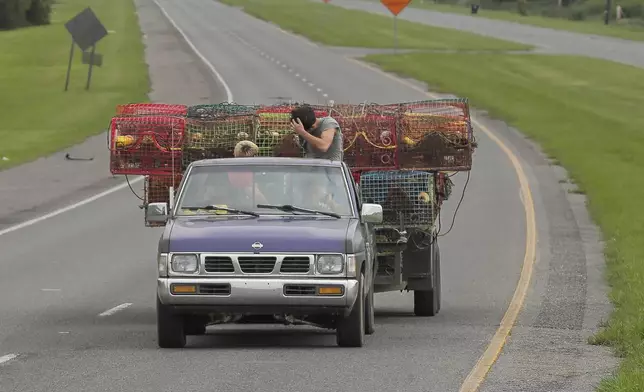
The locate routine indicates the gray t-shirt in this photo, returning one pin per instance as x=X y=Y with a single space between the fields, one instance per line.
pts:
x=335 y=151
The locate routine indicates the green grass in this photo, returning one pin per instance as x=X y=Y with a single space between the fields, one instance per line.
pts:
x=589 y=26
x=586 y=114
x=336 y=26
x=38 y=117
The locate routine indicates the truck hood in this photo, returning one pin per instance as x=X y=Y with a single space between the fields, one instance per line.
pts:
x=277 y=234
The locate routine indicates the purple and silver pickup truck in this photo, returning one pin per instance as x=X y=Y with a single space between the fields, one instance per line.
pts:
x=266 y=240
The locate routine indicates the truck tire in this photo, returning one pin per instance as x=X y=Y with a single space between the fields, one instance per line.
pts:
x=428 y=303
x=170 y=328
x=351 y=329
x=370 y=317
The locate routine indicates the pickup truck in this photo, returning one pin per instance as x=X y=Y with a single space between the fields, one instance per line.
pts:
x=266 y=239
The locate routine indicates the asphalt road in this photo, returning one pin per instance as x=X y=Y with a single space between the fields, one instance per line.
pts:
x=546 y=40
x=60 y=276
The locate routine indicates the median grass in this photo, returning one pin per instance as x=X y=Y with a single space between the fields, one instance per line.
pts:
x=586 y=114
x=335 y=26
x=38 y=116
x=632 y=31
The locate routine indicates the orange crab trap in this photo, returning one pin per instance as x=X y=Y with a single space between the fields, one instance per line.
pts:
x=146 y=145
x=151 y=109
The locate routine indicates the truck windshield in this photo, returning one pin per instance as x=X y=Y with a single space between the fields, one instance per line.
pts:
x=244 y=187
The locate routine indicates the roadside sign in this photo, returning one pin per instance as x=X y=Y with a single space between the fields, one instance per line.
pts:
x=326 y=1
x=85 y=28
x=395 y=6
x=86 y=31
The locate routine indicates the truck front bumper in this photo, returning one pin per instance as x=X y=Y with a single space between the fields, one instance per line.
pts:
x=258 y=296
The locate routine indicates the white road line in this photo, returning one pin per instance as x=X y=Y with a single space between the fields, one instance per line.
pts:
x=49 y=289
x=229 y=94
x=229 y=98
x=115 y=309
x=7 y=358
x=69 y=207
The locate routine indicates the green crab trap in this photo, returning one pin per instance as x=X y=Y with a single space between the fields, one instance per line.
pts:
x=408 y=198
x=209 y=112
x=210 y=139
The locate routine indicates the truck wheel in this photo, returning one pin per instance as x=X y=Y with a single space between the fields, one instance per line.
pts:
x=370 y=317
x=428 y=303
x=170 y=328
x=350 y=329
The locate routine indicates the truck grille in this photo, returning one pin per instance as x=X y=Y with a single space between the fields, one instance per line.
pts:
x=299 y=289
x=220 y=264
x=257 y=264
x=214 y=289
x=295 y=265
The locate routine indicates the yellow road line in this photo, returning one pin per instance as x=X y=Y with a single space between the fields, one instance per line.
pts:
x=477 y=375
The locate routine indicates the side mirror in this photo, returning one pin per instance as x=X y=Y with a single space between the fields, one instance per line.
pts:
x=156 y=213
x=371 y=213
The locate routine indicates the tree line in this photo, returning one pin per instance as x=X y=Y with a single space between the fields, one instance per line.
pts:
x=23 y=13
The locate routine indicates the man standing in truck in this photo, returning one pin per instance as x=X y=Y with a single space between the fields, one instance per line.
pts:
x=320 y=137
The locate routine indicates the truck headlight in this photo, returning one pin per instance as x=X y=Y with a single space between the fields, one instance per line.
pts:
x=330 y=264
x=184 y=263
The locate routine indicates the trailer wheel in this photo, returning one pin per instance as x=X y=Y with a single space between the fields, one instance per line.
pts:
x=170 y=328
x=351 y=329
x=427 y=303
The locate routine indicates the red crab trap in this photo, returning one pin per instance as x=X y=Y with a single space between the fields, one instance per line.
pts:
x=369 y=141
x=151 y=109
x=146 y=145
x=210 y=139
x=435 y=135
x=407 y=198
x=157 y=190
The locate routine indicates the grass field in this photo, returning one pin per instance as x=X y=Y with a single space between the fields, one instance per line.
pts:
x=590 y=26
x=583 y=112
x=38 y=117
x=376 y=31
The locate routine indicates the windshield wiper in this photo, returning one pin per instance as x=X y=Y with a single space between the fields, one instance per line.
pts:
x=215 y=208
x=290 y=208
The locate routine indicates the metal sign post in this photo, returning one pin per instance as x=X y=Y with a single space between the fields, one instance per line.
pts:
x=395 y=7
x=86 y=30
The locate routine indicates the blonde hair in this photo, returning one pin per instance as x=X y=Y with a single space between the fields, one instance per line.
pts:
x=245 y=148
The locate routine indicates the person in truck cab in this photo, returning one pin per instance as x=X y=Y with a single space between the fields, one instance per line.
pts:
x=320 y=137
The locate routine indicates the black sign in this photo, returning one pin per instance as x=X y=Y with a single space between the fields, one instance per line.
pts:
x=85 y=28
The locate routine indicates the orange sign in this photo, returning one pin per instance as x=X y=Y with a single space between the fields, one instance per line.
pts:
x=395 y=6
x=326 y=1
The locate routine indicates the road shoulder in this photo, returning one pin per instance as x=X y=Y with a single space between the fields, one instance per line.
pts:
x=49 y=183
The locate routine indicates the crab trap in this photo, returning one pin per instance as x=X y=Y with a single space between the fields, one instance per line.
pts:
x=146 y=145
x=369 y=142
x=408 y=198
x=435 y=135
x=151 y=109
x=209 y=139
x=209 y=112
x=156 y=189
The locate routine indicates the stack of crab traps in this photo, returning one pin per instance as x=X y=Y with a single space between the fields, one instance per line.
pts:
x=398 y=153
